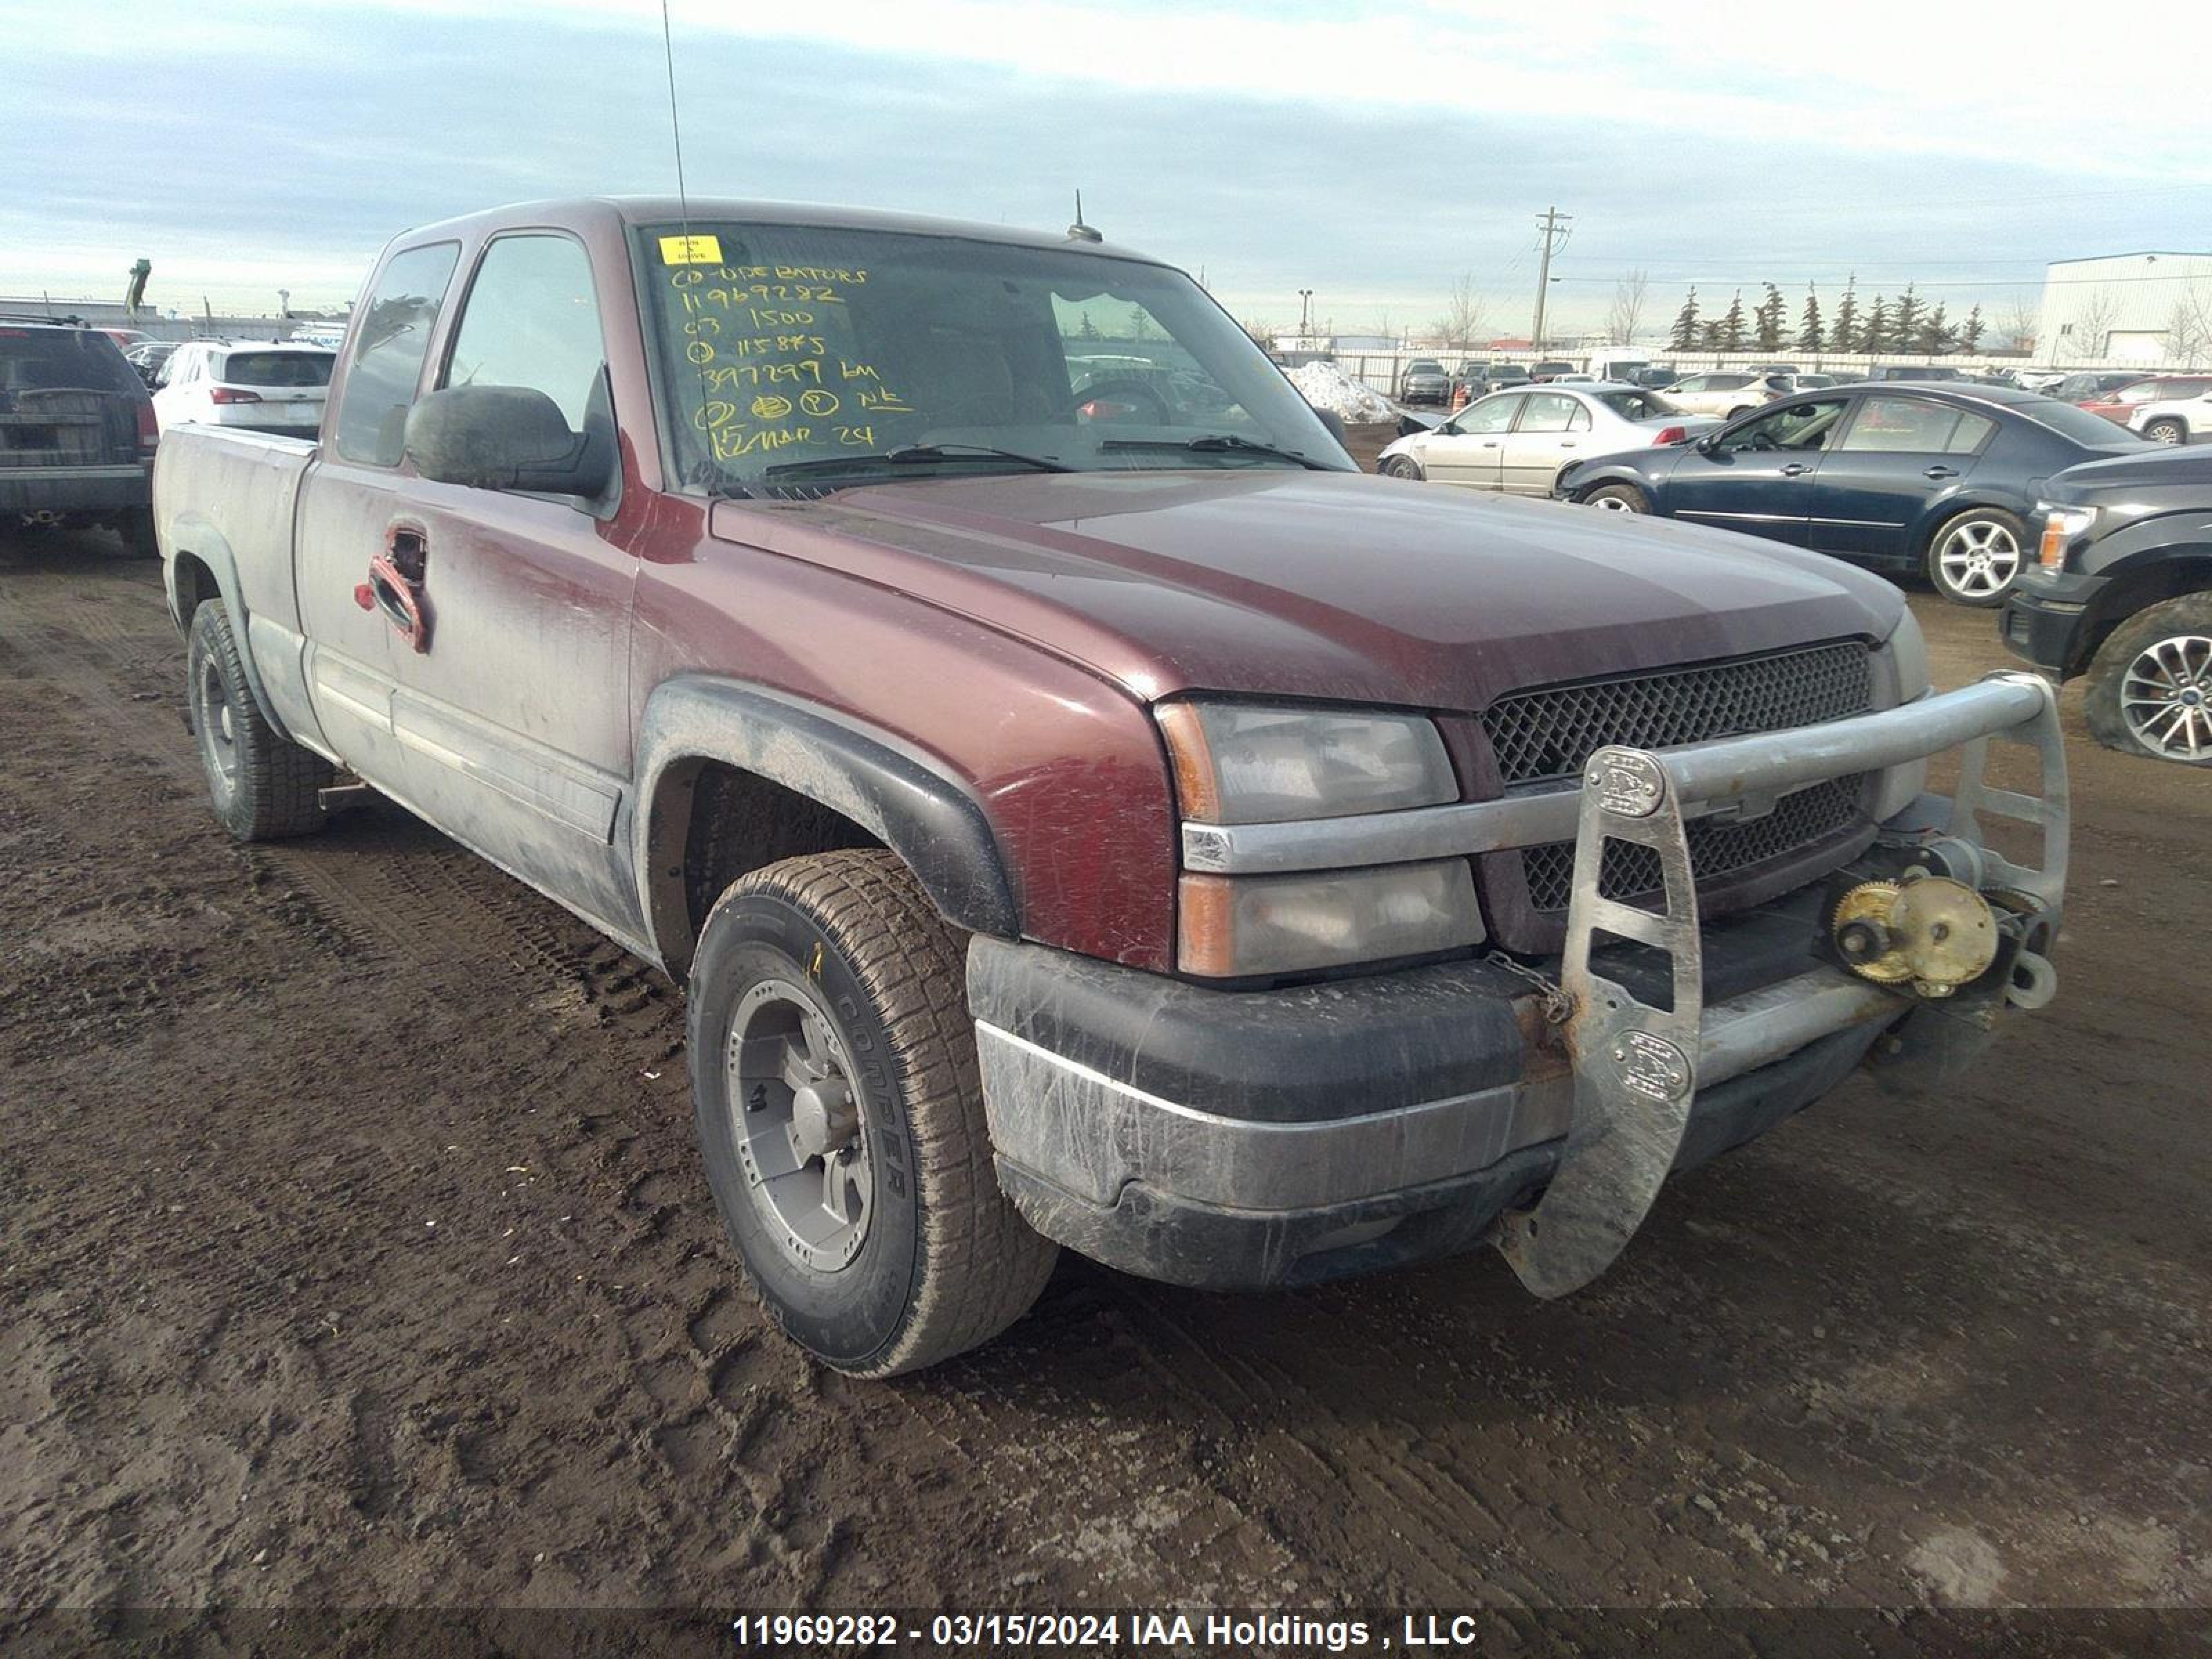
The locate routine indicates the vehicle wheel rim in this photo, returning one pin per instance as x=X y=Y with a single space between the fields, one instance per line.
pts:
x=1978 y=558
x=796 y=1119
x=1611 y=504
x=2166 y=697
x=218 y=727
x=2165 y=434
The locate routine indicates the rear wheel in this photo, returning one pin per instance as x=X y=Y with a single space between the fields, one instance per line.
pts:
x=1618 y=498
x=2166 y=431
x=834 y=1075
x=2150 y=684
x=1974 y=559
x=264 y=787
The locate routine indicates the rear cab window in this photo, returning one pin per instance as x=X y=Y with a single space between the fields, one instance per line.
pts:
x=392 y=340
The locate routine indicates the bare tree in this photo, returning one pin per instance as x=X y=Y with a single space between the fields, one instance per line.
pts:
x=2091 y=320
x=1626 y=314
x=1262 y=333
x=2018 y=324
x=2188 y=328
x=1464 y=315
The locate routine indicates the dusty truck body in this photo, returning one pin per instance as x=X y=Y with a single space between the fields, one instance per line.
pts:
x=1082 y=807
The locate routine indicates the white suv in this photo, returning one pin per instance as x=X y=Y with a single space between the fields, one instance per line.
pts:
x=2173 y=420
x=261 y=385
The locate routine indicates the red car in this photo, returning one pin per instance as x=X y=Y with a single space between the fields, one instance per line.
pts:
x=2118 y=405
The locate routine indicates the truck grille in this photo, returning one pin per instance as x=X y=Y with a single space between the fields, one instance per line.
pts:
x=1548 y=732
x=1717 y=848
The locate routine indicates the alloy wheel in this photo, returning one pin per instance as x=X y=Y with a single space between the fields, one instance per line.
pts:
x=2166 y=697
x=799 y=1128
x=1978 y=558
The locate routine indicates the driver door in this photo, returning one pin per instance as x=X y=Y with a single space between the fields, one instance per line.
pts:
x=1469 y=448
x=1756 y=476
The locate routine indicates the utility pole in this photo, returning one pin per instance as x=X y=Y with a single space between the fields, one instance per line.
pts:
x=1305 y=312
x=1553 y=225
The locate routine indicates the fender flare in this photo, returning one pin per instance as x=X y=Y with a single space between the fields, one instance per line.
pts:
x=194 y=536
x=898 y=792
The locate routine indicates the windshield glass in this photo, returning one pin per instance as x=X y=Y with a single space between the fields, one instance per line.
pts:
x=800 y=347
x=1636 y=406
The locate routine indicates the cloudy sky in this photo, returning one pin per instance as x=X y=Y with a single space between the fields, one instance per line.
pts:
x=1372 y=153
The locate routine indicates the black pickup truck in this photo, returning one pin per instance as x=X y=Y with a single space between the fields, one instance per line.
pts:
x=2122 y=592
x=76 y=432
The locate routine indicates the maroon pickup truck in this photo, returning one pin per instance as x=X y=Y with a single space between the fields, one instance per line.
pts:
x=1082 y=807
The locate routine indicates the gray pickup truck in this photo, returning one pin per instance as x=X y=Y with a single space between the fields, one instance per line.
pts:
x=1083 y=808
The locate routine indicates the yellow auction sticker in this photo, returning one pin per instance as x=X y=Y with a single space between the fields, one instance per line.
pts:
x=691 y=250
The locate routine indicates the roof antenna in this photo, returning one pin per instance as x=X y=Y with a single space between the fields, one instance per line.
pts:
x=1079 y=232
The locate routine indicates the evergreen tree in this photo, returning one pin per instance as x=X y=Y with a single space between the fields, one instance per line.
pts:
x=1970 y=334
x=1684 y=337
x=1769 y=318
x=1906 y=322
x=1936 y=334
x=1732 y=325
x=1709 y=335
x=1874 y=334
x=1809 y=337
x=1844 y=336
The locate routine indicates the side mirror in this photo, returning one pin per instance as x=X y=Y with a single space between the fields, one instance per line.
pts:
x=505 y=437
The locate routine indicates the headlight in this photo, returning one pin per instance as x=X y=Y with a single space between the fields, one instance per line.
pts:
x=1254 y=763
x=1232 y=926
x=2061 y=525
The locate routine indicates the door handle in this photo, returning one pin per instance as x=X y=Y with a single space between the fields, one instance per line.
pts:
x=1490 y=446
x=1566 y=443
x=400 y=600
x=1941 y=473
x=1793 y=470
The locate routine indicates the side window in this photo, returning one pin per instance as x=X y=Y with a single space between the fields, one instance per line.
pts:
x=1548 y=411
x=1491 y=415
x=1901 y=426
x=1581 y=420
x=1793 y=426
x=392 y=336
x=532 y=319
x=1973 y=431
x=1692 y=383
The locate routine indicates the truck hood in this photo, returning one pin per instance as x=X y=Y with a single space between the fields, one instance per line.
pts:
x=1340 y=586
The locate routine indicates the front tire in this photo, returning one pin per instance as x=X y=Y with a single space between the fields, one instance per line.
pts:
x=1975 y=558
x=2150 y=683
x=834 y=1075
x=1400 y=466
x=2166 y=431
x=263 y=786
x=1618 y=498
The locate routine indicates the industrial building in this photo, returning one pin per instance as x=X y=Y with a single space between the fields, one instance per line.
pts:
x=2122 y=309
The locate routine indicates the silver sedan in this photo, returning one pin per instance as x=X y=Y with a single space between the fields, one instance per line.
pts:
x=1516 y=441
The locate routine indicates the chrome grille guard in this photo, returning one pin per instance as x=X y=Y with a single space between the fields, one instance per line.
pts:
x=1636 y=1065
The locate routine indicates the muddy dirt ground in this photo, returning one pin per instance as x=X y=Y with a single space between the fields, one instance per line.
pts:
x=353 y=1249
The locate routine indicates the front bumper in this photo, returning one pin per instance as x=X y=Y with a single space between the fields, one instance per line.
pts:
x=2047 y=617
x=1241 y=1138
x=103 y=488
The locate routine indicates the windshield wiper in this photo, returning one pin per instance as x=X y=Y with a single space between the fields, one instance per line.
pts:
x=1216 y=443
x=913 y=455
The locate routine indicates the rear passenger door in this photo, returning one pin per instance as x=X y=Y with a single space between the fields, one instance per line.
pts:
x=1898 y=453
x=1551 y=432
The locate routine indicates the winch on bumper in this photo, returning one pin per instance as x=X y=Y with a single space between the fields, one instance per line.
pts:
x=1229 y=1138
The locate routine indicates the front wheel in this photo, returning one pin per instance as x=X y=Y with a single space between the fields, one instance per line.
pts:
x=2166 y=431
x=1400 y=466
x=1618 y=498
x=2150 y=686
x=1975 y=558
x=262 y=785
x=834 y=1076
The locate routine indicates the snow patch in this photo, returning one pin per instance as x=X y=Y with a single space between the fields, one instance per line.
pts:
x=1326 y=386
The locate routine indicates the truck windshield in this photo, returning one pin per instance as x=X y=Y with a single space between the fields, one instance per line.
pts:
x=778 y=343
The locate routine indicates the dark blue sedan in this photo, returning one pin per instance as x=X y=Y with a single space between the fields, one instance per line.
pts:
x=1939 y=478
